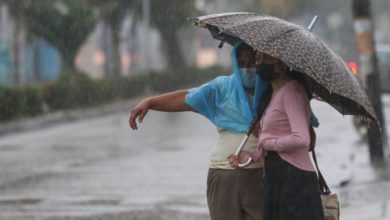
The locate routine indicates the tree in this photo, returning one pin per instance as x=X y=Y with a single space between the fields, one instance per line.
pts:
x=113 y=12
x=18 y=17
x=168 y=17
x=63 y=23
x=284 y=8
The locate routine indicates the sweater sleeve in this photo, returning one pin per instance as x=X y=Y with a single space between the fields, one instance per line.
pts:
x=296 y=106
x=257 y=154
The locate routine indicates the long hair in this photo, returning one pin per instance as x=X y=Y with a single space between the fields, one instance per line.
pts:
x=264 y=100
x=300 y=77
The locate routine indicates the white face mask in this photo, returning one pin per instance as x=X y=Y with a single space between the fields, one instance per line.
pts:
x=248 y=77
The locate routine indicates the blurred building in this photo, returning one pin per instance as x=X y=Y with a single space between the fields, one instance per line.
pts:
x=25 y=61
x=34 y=61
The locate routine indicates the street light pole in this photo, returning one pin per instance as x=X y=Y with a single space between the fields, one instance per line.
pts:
x=363 y=25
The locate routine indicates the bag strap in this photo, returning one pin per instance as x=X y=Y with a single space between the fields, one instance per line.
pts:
x=324 y=189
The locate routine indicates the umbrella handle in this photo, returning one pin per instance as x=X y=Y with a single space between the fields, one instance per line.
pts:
x=241 y=165
x=242 y=144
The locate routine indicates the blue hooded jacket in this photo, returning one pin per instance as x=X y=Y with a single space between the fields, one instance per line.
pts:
x=224 y=100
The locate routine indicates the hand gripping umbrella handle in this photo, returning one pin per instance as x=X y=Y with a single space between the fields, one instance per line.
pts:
x=242 y=165
x=242 y=144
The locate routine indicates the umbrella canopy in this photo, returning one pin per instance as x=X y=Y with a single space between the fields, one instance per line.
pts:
x=330 y=78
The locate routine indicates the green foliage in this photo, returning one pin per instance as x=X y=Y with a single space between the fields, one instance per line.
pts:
x=169 y=14
x=113 y=13
x=169 y=81
x=114 y=87
x=77 y=90
x=113 y=10
x=172 y=14
x=33 y=100
x=11 y=103
x=168 y=17
x=65 y=24
x=70 y=91
x=285 y=8
x=19 y=101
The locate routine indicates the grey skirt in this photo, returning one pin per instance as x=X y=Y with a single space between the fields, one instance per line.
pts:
x=290 y=193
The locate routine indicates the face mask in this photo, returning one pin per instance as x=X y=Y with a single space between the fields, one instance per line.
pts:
x=266 y=72
x=248 y=77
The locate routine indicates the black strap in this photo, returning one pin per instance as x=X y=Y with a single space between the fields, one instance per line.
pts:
x=324 y=189
x=252 y=125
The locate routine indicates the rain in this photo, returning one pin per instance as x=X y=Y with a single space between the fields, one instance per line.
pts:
x=72 y=71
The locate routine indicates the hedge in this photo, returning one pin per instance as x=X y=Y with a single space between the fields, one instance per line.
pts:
x=20 y=101
x=77 y=90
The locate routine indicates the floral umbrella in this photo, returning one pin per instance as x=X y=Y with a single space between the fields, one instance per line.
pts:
x=329 y=77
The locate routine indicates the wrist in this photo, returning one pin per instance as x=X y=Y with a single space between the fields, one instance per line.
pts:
x=269 y=144
x=255 y=155
x=150 y=102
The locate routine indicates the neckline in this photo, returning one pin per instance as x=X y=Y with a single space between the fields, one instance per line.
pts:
x=276 y=94
x=272 y=101
x=279 y=90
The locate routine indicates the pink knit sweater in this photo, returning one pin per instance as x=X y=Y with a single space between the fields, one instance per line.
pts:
x=285 y=127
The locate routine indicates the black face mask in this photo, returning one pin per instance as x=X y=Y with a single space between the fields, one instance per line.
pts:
x=266 y=72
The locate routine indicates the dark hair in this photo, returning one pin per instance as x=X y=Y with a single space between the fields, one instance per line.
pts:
x=302 y=79
x=264 y=100
x=267 y=94
x=244 y=46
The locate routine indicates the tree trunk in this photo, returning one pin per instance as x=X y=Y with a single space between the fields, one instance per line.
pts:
x=68 y=66
x=35 y=61
x=116 y=64
x=131 y=41
x=172 y=50
x=363 y=25
x=16 y=50
x=105 y=47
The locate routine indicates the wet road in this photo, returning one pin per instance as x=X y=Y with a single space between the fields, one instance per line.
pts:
x=99 y=169
x=99 y=166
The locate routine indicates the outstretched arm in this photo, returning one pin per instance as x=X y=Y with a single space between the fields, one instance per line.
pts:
x=168 y=102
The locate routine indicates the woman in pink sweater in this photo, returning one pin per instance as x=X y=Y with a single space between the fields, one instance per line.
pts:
x=290 y=181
